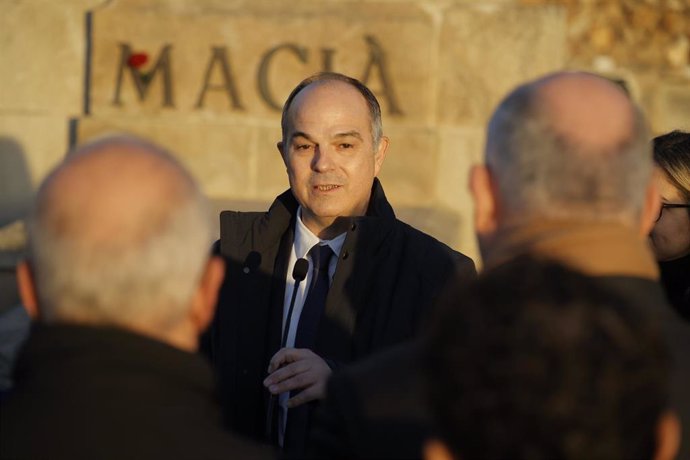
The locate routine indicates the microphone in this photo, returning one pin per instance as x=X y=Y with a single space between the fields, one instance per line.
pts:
x=299 y=273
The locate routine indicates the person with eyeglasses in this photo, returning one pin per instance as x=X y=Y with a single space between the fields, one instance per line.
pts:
x=670 y=236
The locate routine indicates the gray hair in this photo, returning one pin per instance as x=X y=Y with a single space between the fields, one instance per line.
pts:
x=149 y=278
x=543 y=174
x=323 y=77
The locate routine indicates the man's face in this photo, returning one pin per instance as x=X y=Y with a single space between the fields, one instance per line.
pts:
x=329 y=153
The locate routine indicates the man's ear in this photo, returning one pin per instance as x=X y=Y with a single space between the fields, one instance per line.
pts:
x=204 y=302
x=484 y=195
x=667 y=436
x=280 y=146
x=380 y=154
x=650 y=209
x=27 y=288
x=435 y=449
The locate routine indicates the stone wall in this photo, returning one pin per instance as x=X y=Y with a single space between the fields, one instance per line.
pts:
x=646 y=43
x=206 y=78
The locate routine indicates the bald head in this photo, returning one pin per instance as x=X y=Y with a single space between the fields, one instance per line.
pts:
x=119 y=235
x=117 y=191
x=587 y=110
x=570 y=145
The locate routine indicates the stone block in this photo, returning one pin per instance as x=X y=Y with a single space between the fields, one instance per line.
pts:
x=42 y=55
x=671 y=108
x=217 y=154
x=634 y=34
x=460 y=148
x=244 y=61
x=271 y=176
x=408 y=173
x=486 y=50
x=438 y=222
x=42 y=141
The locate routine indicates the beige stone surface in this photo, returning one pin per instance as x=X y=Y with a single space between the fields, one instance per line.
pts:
x=486 y=50
x=632 y=33
x=43 y=140
x=300 y=43
x=672 y=108
x=449 y=62
x=217 y=154
x=409 y=170
x=436 y=221
x=649 y=39
x=460 y=148
x=13 y=236
x=271 y=177
x=42 y=55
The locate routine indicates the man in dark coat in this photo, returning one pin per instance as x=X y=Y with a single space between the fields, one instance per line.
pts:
x=120 y=278
x=520 y=368
x=568 y=178
x=380 y=280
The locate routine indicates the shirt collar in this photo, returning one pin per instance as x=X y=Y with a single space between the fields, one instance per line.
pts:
x=305 y=239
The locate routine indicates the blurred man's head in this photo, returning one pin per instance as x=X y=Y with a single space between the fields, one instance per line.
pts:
x=120 y=236
x=566 y=147
x=333 y=148
x=534 y=361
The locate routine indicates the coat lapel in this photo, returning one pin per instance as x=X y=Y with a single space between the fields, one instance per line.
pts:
x=355 y=276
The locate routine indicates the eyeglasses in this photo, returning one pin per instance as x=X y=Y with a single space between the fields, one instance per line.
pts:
x=670 y=205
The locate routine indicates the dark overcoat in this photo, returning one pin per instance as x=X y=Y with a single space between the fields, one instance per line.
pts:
x=84 y=392
x=387 y=276
x=377 y=409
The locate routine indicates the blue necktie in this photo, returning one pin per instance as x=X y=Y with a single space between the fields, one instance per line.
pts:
x=316 y=297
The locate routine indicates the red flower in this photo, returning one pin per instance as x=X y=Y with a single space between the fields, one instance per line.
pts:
x=137 y=60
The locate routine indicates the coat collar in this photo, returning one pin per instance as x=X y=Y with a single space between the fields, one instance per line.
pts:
x=378 y=203
x=594 y=248
x=284 y=210
x=58 y=349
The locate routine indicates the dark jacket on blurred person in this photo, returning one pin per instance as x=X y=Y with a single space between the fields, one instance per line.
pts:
x=626 y=264
x=102 y=393
x=675 y=277
x=374 y=409
x=377 y=408
x=14 y=329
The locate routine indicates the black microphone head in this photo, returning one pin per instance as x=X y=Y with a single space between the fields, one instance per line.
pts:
x=252 y=261
x=300 y=270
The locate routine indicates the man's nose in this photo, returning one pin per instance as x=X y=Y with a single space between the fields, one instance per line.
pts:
x=323 y=159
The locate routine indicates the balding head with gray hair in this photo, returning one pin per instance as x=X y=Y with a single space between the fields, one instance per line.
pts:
x=119 y=235
x=569 y=146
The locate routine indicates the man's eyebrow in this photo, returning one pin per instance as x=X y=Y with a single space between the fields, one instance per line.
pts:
x=349 y=134
x=301 y=134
